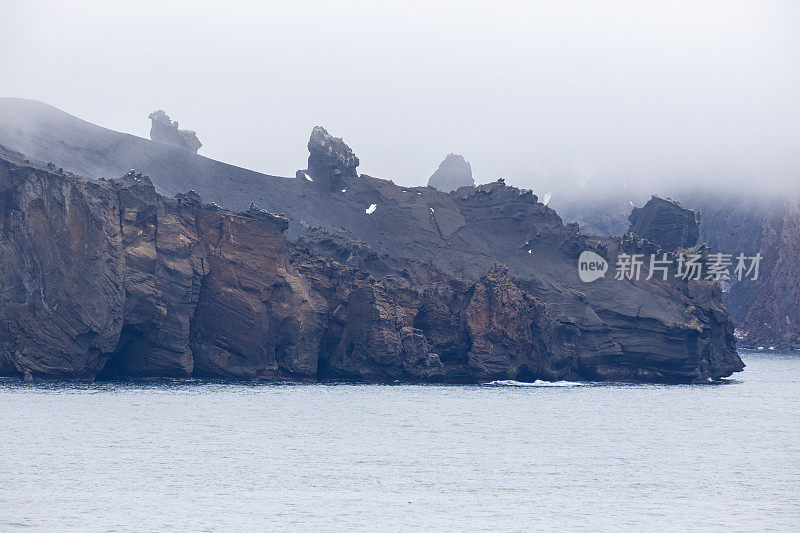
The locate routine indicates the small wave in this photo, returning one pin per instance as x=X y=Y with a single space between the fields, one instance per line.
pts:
x=537 y=383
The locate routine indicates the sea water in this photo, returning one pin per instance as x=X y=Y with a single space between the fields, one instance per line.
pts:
x=209 y=456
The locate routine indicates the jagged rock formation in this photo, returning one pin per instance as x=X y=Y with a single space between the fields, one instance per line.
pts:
x=453 y=172
x=164 y=130
x=645 y=331
x=666 y=223
x=330 y=160
x=111 y=279
x=766 y=311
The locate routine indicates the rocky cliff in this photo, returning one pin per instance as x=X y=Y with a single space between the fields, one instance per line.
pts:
x=766 y=311
x=110 y=279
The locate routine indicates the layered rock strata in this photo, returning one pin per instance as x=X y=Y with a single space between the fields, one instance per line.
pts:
x=109 y=279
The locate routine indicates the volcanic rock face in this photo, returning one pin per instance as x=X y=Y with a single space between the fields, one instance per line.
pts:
x=110 y=279
x=766 y=311
x=166 y=131
x=161 y=280
x=666 y=223
x=62 y=268
x=423 y=223
x=416 y=274
x=453 y=172
x=330 y=160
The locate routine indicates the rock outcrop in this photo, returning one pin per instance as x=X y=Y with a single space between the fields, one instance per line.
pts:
x=109 y=279
x=453 y=172
x=166 y=131
x=666 y=223
x=415 y=260
x=765 y=311
x=330 y=161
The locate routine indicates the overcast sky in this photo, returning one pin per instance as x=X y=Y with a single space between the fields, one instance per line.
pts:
x=524 y=90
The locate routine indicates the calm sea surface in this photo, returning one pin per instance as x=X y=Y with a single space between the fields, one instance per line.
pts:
x=217 y=456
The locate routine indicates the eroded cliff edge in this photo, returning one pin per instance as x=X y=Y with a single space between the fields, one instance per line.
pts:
x=109 y=279
x=425 y=224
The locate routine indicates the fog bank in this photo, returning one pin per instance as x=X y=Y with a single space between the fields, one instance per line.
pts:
x=537 y=93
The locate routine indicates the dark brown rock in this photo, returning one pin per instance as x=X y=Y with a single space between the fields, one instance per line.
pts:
x=164 y=265
x=257 y=317
x=61 y=273
x=415 y=276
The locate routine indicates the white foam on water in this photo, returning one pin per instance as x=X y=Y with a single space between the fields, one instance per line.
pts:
x=371 y=209
x=547 y=196
x=537 y=383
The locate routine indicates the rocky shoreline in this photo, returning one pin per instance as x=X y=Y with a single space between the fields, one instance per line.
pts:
x=108 y=279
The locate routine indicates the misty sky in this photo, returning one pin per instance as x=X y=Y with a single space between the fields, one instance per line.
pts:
x=529 y=91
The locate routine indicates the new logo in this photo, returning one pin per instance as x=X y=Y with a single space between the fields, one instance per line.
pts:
x=591 y=266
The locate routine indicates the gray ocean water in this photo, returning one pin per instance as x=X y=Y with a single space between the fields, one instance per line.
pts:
x=215 y=456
